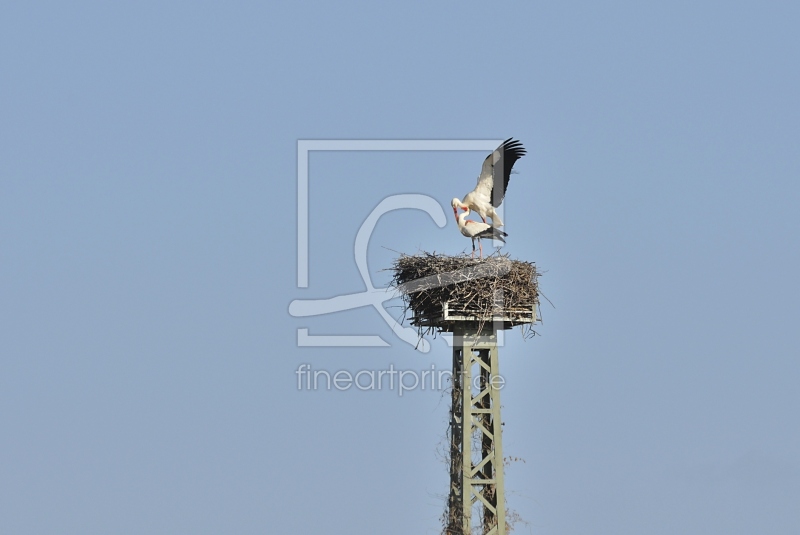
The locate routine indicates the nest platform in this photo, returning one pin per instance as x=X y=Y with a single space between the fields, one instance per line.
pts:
x=444 y=293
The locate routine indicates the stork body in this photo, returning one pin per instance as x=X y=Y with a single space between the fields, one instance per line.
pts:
x=476 y=230
x=493 y=181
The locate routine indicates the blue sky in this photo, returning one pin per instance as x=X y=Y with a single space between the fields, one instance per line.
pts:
x=148 y=175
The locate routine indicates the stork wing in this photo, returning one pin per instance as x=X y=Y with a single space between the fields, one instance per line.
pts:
x=492 y=232
x=497 y=169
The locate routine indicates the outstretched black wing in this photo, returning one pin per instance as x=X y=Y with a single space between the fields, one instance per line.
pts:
x=497 y=166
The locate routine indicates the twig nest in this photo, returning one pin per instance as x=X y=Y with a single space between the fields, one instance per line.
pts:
x=441 y=290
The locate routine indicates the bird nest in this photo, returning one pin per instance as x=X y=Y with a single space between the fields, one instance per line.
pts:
x=444 y=292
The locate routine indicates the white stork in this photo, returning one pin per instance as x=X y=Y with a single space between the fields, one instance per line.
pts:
x=475 y=229
x=493 y=181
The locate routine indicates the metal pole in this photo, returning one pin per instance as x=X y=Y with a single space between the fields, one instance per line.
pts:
x=476 y=485
x=457 y=514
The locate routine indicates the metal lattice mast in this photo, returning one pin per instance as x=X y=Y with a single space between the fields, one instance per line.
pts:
x=467 y=298
x=476 y=448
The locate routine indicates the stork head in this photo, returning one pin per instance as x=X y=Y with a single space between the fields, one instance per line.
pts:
x=456 y=204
